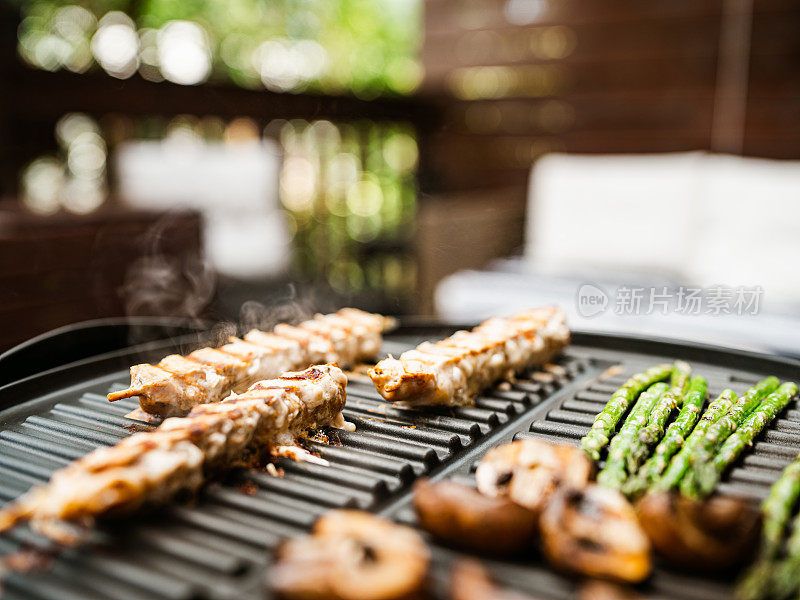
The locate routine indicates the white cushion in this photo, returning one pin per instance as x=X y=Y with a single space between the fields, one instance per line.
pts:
x=628 y=212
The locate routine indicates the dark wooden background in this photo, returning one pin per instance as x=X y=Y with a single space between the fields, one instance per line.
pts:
x=616 y=76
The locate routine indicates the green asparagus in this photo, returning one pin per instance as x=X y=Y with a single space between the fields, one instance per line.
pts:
x=681 y=373
x=674 y=438
x=607 y=419
x=615 y=471
x=777 y=508
x=709 y=444
x=767 y=572
x=739 y=410
x=708 y=474
x=658 y=418
x=757 y=582
x=680 y=462
x=785 y=580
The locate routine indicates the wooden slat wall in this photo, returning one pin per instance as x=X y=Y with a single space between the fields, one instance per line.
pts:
x=772 y=124
x=601 y=77
x=62 y=270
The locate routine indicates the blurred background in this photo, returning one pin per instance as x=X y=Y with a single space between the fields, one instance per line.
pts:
x=243 y=160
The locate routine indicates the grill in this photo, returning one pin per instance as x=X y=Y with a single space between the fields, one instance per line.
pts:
x=218 y=546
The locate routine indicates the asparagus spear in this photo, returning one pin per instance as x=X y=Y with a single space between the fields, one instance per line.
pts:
x=620 y=401
x=738 y=412
x=785 y=577
x=708 y=474
x=674 y=438
x=659 y=416
x=722 y=429
x=615 y=472
x=776 y=510
x=680 y=374
x=680 y=463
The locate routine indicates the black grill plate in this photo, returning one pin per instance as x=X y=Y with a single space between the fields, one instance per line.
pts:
x=218 y=545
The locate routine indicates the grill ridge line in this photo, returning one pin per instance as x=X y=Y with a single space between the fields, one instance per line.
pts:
x=676 y=584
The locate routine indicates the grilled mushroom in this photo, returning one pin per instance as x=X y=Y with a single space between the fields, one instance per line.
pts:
x=461 y=516
x=352 y=555
x=596 y=589
x=594 y=531
x=717 y=533
x=529 y=471
x=470 y=581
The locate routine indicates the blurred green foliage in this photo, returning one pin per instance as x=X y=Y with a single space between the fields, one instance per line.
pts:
x=368 y=47
x=350 y=194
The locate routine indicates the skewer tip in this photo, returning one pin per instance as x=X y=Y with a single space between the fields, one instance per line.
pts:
x=126 y=393
x=15 y=513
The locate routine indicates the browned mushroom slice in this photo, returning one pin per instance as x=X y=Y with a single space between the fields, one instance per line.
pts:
x=529 y=471
x=716 y=533
x=471 y=581
x=463 y=517
x=597 y=589
x=594 y=531
x=351 y=555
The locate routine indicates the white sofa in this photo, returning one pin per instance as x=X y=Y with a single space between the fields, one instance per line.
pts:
x=684 y=220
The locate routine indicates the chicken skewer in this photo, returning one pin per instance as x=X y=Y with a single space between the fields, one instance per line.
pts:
x=152 y=467
x=453 y=371
x=178 y=383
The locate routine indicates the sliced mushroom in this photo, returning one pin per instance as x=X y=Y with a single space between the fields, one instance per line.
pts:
x=471 y=581
x=529 y=471
x=351 y=555
x=594 y=531
x=716 y=533
x=596 y=589
x=463 y=517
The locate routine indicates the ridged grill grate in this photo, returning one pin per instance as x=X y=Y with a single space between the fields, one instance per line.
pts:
x=218 y=546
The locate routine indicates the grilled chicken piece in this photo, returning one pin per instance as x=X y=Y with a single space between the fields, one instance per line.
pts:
x=471 y=581
x=261 y=361
x=351 y=555
x=594 y=531
x=152 y=467
x=453 y=371
x=317 y=347
x=177 y=383
x=465 y=518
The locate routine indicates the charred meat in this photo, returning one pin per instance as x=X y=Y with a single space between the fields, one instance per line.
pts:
x=452 y=372
x=152 y=467
x=178 y=383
